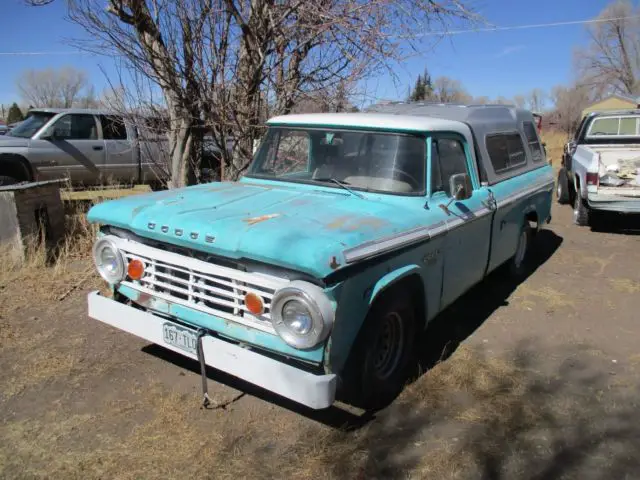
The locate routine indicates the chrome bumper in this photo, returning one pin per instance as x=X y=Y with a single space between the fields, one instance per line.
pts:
x=314 y=391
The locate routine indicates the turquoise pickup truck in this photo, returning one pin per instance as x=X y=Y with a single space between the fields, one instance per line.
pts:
x=312 y=276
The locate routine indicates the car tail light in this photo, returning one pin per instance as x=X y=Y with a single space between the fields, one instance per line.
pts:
x=593 y=179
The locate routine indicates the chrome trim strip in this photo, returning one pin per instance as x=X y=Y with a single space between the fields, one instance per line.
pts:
x=384 y=245
x=540 y=186
x=387 y=244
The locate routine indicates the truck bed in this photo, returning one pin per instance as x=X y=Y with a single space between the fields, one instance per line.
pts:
x=618 y=169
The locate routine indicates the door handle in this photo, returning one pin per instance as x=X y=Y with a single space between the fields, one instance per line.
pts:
x=98 y=147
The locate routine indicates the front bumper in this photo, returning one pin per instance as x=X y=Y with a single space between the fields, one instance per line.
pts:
x=314 y=391
x=613 y=203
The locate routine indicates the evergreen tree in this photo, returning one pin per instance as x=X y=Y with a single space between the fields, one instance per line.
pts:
x=423 y=89
x=428 y=85
x=15 y=114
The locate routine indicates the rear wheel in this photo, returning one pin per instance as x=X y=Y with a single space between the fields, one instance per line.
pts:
x=6 y=180
x=581 y=213
x=379 y=364
x=562 y=188
x=519 y=262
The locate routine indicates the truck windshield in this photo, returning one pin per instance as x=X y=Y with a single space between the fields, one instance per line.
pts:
x=369 y=161
x=31 y=124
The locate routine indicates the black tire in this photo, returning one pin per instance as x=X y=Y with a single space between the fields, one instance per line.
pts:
x=562 y=188
x=581 y=213
x=6 y=180
x=518 y=264
x=379 y=363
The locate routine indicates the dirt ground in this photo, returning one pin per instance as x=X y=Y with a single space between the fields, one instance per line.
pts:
x=538 y=380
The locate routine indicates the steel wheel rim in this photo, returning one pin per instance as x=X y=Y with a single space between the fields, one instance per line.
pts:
x=521 y=250
x=389 y=346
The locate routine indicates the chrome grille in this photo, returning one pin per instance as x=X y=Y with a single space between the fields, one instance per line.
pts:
x=203 y=286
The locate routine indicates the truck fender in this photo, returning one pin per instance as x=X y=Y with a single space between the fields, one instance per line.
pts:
x=345 y=333
x=390 y=278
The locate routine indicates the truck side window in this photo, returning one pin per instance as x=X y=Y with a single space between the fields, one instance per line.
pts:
x=113 y=128
x=76 y=127
x=532 y=140
x=447 y=158
x=506 y=151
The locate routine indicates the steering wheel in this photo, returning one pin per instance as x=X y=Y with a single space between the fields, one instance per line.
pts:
x=410 y=179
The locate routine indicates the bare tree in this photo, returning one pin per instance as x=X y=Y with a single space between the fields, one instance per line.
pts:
x=449 y=90
x=611 y=62
x=503 y=101
x=482 y=100
x=223 y=65
x=535 y=100
x=519 y=101
x=52 y=88
x=569 y=102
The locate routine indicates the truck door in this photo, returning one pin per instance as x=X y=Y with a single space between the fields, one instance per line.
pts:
x=120 y=160
x=507 y=154
x=72 y=150
x=468 y=221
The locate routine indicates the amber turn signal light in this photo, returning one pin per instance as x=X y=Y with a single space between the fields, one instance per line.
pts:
x=254 y=303
x=135 y=270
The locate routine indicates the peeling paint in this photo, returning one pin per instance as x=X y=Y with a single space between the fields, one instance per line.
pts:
x=262 y=218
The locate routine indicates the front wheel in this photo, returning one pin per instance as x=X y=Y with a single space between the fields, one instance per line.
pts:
x=379 y=364
x=581 y=213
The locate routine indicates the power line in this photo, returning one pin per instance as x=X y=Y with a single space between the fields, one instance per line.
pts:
x=70 y=52
x=515 y=27
x=418 y=35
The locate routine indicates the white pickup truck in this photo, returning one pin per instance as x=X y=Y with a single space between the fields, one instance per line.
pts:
x=601 y=166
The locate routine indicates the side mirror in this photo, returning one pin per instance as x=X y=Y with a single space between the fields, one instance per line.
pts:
x=570 y=148
x=49 y=134
x=460 y=186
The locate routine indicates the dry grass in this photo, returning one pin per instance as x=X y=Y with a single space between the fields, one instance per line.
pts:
x=527 y=297
x=43 y=275
x=555 y=141
x=625 y=285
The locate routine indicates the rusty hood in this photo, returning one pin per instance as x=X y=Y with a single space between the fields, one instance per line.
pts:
x=302 y=228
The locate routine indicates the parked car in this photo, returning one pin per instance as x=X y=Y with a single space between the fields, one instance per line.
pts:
x=3 y=129
x=601 y=166
x=87 y=147
x=315 y=272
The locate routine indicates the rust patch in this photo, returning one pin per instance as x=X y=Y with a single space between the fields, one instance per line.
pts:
x=351 y=224
x=338 y=223
x=371 y=222
x=262 y=218
x=144 y=299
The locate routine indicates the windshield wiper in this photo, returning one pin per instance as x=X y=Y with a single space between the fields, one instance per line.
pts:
x=340 y=184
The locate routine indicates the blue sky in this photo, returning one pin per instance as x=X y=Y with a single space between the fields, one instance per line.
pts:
x=503 y=63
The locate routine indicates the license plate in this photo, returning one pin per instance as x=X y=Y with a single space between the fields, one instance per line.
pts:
x=180 y=337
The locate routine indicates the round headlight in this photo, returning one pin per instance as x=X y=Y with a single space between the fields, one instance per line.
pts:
x=302 y=314
x=297 y=317
x=108 y=260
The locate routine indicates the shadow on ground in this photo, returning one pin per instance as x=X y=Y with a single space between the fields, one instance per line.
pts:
x=441 y=339
x=616 y=223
